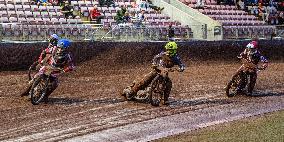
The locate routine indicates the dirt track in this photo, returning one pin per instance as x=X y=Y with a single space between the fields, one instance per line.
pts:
x=87 y=100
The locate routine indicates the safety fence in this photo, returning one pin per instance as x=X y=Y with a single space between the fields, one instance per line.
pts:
x=16 y=56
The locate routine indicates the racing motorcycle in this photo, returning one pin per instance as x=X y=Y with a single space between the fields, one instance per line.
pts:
x=155 y=92
x=42 y=82
x=240 y=81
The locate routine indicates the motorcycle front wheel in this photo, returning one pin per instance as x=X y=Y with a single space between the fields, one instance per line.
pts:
x=157 y=90
x=39 y=89
x=233 y=85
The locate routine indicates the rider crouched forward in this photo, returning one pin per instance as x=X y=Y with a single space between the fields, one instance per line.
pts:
x=164 y=60
x=60 y=59
x=53 y=41
x=252 y=56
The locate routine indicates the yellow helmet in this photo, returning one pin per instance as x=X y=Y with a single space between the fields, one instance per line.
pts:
x=171 y=48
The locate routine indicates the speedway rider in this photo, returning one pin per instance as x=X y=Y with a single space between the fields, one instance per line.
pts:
x=60 y=59
x=165 y=60
x=253 y=56
x=53 y=40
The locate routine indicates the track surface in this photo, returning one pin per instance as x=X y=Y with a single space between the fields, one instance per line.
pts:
x=88 y=101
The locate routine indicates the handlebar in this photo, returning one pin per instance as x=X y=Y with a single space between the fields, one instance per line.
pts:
x=53 y=70
x=162 y=69
x=248 y=64
x=260 y=68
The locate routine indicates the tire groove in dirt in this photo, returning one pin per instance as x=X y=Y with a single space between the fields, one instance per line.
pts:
x=106 y=123
x=145 y=131
x=127 y=114
x=31 y=126
x=81 y=113
x=154 y=112
x=69 y=115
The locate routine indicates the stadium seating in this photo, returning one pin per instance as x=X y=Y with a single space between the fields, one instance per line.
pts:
x=236 y=23
x=27 y=21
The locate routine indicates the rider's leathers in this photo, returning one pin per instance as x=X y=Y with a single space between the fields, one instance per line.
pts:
x=161 y=60
x=251 y=71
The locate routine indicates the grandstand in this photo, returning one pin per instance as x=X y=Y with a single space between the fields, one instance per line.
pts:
x=23 y=20
x=236 y=23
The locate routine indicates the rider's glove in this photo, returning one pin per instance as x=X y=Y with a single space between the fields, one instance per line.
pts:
x=263 y=67
x=181 y=69
x=41 y=62
x=62 y=71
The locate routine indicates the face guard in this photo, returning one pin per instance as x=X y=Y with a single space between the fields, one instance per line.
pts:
x=171 y=52
x=251 y=49
x=53 y=39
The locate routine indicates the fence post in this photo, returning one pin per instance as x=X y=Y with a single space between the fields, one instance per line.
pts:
x=1 y=30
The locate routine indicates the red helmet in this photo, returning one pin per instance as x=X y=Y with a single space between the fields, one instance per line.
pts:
x=253 y=44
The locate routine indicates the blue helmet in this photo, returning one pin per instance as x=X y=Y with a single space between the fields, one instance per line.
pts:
x=64 y=43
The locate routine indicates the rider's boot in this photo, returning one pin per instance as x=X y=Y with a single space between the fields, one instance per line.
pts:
x=127 y=93
x=130 y=95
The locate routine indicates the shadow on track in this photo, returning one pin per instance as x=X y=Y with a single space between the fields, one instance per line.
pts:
x=199 y=102
x=64 y=101
x=266 y=94
x=76 y=101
